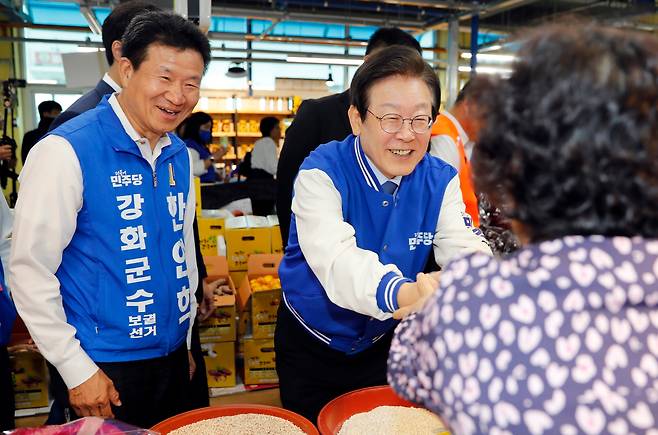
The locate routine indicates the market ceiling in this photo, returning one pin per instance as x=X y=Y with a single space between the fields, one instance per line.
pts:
x=414 y=15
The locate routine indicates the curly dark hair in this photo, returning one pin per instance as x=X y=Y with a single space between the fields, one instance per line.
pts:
x=570 y=144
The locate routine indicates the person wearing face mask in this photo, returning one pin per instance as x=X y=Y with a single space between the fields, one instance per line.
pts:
x=367 y=213
x=48 y=111
x=196 y=131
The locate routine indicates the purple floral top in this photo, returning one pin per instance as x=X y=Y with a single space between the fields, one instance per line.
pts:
x=561 y=337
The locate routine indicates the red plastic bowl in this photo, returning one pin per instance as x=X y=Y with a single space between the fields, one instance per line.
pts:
x=190 y=417
x=334 y=413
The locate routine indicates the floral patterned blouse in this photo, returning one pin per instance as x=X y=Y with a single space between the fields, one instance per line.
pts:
x=560 y=337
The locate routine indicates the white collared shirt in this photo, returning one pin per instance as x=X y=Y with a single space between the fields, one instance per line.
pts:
x=51 y=196
x=381 y=178
x=114 y=85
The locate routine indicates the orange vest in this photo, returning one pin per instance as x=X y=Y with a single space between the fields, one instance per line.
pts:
x=444 y=126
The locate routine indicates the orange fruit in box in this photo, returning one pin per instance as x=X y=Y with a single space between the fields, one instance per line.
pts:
x=267 y=282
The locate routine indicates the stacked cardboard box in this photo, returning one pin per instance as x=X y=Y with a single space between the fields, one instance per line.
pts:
x=258 y=300
x=218 y=332
x=30 y=379
x=211 y=236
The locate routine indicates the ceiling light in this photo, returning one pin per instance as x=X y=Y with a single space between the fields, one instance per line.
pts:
x=325 y=60
x=487 y=70
x=236 y=71
x=491 y=57
x=330 y=80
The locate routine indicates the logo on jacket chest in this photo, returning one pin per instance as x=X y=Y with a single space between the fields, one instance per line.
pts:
x=420 y=238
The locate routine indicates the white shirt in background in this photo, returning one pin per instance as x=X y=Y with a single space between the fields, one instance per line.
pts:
x=264 y=156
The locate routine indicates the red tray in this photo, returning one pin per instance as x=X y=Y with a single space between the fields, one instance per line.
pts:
x=190 y=417
x=334 y=413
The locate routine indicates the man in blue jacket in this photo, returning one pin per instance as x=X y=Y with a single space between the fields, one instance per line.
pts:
x=103 y=269
x=367 y=213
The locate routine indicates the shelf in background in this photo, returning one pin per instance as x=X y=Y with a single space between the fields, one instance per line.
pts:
x=250 y=112
x=232 y=134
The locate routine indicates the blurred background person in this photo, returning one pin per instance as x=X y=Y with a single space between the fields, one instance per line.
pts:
x=453 y=135
x=48 y=111
x=264 y=156
x=562 y=335
x=196 y=132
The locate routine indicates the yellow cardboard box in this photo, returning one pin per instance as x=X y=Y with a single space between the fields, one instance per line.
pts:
x=263 y=303
x=220 y=363
x=197 y=194
x=273 y=223
x=243 y=242
x=30 y=379
x=277 y=243
x=209 y=230
x=259 y=362
x=221 y=325
x=237 y=276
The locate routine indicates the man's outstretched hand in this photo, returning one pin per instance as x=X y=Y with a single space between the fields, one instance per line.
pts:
x=94 y=396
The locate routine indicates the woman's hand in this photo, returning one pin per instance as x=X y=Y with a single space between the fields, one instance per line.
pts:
x=424 y=287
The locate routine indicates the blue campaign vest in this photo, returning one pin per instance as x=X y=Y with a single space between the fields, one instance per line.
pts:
x=400 y=230
x=123 y=311
x=7 y=311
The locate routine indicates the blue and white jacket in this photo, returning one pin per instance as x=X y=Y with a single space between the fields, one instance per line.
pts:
x=123 y=277
x=352 y=246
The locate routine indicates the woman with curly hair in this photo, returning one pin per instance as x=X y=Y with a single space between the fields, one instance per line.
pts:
x=562 y=335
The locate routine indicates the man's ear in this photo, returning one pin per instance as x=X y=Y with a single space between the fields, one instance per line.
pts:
x=125 y=70
x=355 y=120
x=116 y=50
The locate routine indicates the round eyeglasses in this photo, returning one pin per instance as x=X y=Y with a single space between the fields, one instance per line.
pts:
x=392 y=122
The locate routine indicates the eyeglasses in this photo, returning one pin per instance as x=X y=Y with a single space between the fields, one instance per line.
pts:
x=392 y=122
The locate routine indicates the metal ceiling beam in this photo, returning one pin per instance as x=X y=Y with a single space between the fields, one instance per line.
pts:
x=270 y=28
x=454 y=5
x=483 y=11
x=318 y=17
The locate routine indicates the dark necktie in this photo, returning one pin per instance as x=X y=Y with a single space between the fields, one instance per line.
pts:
x=389 y=187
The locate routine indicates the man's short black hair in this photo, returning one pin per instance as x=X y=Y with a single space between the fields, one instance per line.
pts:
x=267 y=124
x=396 y=60
x=164 y=28
x=48 y=106
x=387 y=36
x=569 y=146
x=116 y=23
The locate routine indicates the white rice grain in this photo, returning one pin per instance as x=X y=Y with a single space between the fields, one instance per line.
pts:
x=393 y=420
x=242 y=424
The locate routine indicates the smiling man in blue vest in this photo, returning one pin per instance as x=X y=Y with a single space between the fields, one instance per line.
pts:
x=367 y=213
x=103 y=266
